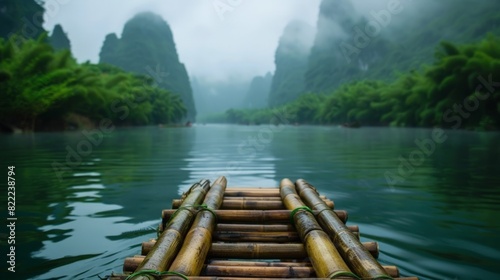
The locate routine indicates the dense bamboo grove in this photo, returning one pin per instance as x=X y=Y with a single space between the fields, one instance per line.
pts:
x=41 y=89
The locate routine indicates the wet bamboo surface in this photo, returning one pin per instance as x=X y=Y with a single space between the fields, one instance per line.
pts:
x=249 y=233
x=215 y=267
x=353 y=252
x=254 y=216
x=259 y=250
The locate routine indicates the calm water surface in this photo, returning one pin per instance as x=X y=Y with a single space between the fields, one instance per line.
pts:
x=439 y=218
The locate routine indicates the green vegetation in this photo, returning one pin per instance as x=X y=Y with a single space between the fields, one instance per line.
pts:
x=402 y=45
x=458 y=90
x=44 y=89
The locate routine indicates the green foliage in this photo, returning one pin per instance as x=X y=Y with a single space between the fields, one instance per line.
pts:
x=401 y=46
x=41 y=86
x=460 y=90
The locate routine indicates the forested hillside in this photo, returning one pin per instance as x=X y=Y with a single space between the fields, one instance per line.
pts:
x=346 y=48
x=147 y=47
x=461 y=89
x=42 y=87
x=425 y=63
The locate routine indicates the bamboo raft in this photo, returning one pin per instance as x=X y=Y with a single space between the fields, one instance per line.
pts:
x=219 y=233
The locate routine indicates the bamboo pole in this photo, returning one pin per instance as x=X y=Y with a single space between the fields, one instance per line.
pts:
x=393 y=271
x=265 y=228
x=257 y=263
x=255 y=227
x=243 y=250
x=325 y=259
x=253 y=271
x=252 y=205
x=253 y=216
x=161 y=255
x=230 y=192
x=247 y=236
x=354 y=253
x=132 y=263
x=176 y=203
x=233 y=249
x=190 y=259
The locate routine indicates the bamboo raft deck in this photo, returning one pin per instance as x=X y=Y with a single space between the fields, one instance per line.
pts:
x=236 y=233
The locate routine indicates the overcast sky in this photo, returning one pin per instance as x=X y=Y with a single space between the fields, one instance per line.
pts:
x=239 y=43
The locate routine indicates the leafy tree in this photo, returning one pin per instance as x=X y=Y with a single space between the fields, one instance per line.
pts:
x=457 y=90
x=40 y=88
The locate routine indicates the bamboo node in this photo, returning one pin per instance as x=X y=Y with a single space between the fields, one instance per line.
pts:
x=294 y=211
x=155 y=273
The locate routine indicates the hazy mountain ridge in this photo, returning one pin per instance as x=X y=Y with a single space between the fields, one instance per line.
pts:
x=344 y=51
x=258 y=92
x=147 y=47
x=291 y=60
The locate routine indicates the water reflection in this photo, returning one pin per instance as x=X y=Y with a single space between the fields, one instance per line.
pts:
x=219 y=151
x=440 y=222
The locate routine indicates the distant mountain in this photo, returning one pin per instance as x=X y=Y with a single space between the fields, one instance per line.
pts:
x=258 y=92
x=380 y=43
x=147 y=47
x=291 y=61
x=59 y=40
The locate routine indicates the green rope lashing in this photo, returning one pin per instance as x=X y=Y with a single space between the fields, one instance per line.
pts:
x=204 y=207
x=294 y=211
x=199 y=208
x=343 y=273
x=156 y=273
x=379 y=277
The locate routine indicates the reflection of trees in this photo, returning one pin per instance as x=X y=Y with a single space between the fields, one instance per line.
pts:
x=145 y=170
x=132 y=173
x=464 y=165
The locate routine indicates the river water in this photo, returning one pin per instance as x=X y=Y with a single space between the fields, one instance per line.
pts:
x=434 y=208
